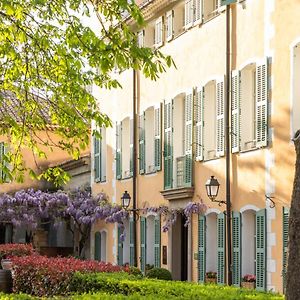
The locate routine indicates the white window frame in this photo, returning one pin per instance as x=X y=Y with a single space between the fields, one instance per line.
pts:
x=169 y=25
x=188 y=14
x=158 y=35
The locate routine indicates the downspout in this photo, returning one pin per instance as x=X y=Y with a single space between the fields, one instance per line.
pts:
x=227 y=148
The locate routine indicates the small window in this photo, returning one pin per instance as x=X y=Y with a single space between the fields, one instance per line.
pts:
x=100 y=157
x=169 y=25
x=210 y=9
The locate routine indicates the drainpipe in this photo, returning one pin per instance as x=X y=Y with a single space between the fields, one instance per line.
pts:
x=227 y=148
x=134 y=165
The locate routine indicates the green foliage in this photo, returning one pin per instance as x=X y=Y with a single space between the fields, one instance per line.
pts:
x=49 y=58
x=130 y=286
x=135 y=271
x=159 y=273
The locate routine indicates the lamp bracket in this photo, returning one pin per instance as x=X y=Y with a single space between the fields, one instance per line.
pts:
x=220 y=202
x=270 y=198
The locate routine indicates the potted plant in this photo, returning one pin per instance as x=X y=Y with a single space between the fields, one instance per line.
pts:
x=248 y=281
x=6 y=263
x=211 y=277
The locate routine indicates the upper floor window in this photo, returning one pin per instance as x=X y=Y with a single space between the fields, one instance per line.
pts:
x=140 y=38
x=100 y=156
x=210 y=8
x=3 y=162
x=158 y=37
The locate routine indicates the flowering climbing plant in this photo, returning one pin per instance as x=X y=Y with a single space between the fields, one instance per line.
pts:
x=78 y=209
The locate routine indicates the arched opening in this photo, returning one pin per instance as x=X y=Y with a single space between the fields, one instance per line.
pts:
x=150 y=241
x=103 y=245
x=248 y=242
x=211 y=242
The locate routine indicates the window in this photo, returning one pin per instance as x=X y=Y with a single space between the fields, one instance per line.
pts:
x=100 y=157
x=210 y=8
x=169 y=25
x=158 y=32
x=140 y=38
x=125 y=142
x=296 y=90
x=188 y=13
x=149 y=136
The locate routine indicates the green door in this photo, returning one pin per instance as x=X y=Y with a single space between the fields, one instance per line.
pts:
x=236 y=249
x=143 y=236
x=120 y=248
x=261 y=230
x=201 y=248
x=157 y=242
x=221 y=220
x=98 y=246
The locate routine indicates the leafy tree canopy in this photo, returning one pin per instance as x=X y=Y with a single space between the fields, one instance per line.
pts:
x=48 y=58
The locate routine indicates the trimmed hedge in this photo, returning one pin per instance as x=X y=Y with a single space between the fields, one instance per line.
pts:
x=159 y=273
x=127 y=285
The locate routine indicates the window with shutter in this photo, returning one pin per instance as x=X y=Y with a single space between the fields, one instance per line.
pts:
x=142 y=143
x=262 y=104
x=188 y=136
x=198 y=11
x=157 y=247
x=143 y=237
x=199 y=123
x=261 y=248
x=169 y=25
x=221 y=248
x=4 y=167
x=201 y=248
x=235 y=112
x=189 y=13
x=131 y=242
x=97 y=253
x=119 y=150
x=236 y=248
x=157 y=137
x=285 y=237
x=131 y=147
x=97 y=159
x=158 y=32
x=168 y=145
x=220 y=118
x=120 y=248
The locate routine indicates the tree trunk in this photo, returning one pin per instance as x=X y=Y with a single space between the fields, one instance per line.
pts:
x=293 y=278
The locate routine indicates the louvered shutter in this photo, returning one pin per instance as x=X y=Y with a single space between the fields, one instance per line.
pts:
x=103 y=155
x=131 y=147
x=201 y=248
x=119 y=151
x=157 y=241
x=235 y=111
x=198 y=11
x=236 y=248
x=188 y=136
x=220 y=117
x=188 y=13
x=157 y=137
x=97 y=159
x=143 y=237
x=142 y=143
x=221 y=248
x=170 y=25
x=199 y=97
x=261 y=248
x=159 y=31
x=168 y=145
x=97 y=246
x=262 y=104
x=120 y=248
x=131 y=242
x=285 y=237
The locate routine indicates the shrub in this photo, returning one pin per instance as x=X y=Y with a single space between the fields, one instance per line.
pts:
x=8 y=250
x=159 y=273
x=135 y=271
x=211 y=274
x=42 y=276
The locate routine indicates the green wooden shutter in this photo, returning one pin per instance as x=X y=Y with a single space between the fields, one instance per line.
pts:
x=131 y=242
x=199 y=123
x=261 y=249
x=143 y=236
x=103 y=155
x=168 y=145
x=157 y=247
x=221 y=220
x=188 y=136
x=201 y=248
x=220 y=118
x=235 y=111
x=97 y=246
x=142 y=143
x=236 y=248
x=285 y=236
x=262 y=104
x=157 y=137
x=120 y=248
x=119 y=151
x=131 y=147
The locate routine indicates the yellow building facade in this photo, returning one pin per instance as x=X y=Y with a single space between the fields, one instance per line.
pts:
x=181 y=140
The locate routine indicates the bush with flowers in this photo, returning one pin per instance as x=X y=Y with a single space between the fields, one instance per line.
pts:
x=8 y=250
x=42 y=276
x=249 y=278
